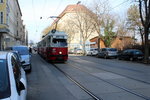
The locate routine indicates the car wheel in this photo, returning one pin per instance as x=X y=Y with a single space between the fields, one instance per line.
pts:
x=97 y=56
x=119 y=58
x=131 y=59
x=105 y=57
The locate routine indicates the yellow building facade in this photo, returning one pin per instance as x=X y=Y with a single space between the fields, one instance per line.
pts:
x=12 y=30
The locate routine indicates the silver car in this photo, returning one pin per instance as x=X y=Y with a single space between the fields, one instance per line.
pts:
x=92 y=52
x=25 y=56
x=108 y=53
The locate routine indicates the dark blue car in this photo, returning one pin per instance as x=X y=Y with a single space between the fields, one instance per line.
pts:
x=131 y=54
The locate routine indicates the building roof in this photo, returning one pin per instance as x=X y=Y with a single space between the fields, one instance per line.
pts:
x=69 y=9
x=19 y=7
x=72 y=9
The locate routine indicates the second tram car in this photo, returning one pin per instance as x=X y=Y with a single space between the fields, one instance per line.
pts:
x=53 y=47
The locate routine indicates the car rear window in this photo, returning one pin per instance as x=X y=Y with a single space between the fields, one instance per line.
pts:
x=4 y=80
x=112 y=49
x=138 y=52
x=21 y=50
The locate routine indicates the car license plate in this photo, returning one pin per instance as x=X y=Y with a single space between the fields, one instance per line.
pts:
x=140 y=57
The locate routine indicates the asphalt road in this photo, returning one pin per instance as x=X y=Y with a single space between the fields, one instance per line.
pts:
x=108 y=79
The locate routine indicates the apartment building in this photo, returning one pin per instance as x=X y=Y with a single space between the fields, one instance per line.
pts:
x=12 y=30
x=66 y=22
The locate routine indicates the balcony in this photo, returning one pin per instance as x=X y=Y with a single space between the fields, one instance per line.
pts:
x=4 y=29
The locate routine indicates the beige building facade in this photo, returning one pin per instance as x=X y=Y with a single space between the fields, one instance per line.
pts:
x=67 y=22
x=12 y=30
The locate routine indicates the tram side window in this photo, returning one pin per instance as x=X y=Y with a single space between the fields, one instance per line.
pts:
x=44 y=43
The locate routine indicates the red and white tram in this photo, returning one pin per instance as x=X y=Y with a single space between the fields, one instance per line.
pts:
x=53 y=47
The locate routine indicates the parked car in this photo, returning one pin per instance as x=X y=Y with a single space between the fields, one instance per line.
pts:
x=108 y=53
x=71 y=51
x=13 y=83
x=25 y=56
x=131 y=54
x=78 y=51
x=92 y=52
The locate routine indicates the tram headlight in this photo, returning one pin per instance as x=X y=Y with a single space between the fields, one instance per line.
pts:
x=60 y=52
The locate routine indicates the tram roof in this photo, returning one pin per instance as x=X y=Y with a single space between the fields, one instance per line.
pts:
x=55 y=34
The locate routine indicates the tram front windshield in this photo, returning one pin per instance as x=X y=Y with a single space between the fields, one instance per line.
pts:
x=60 y=42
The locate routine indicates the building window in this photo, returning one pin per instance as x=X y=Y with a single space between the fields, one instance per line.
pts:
x=7 y=19
x=17 y=23
x=17 y=33
x=1 y=17
x=1 y=1
x=17 y=14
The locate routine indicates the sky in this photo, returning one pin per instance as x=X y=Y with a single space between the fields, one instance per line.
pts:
x=36 y=13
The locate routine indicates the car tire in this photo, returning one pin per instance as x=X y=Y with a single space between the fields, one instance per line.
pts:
x=97 y=56
x=105 y=57
x=119 y=58
x=131 y=59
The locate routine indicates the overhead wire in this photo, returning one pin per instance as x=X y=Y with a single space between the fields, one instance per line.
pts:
x=34 y=15
x=58 y=5
x=43 y=9
x=119 y=5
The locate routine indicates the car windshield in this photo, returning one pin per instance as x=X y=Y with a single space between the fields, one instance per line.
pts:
x=60 y=42
x=4 y=80
x=21 y=50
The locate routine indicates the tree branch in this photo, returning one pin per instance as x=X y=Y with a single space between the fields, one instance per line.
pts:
x=146 y=11
x=149 y=14
x=140 y=10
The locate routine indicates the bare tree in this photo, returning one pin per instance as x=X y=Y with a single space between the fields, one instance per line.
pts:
x=122 y=33
x=121 y=28
x=134 y=21
x=144 y=9
x=69 y=28
x=83 y=24
x=100 y=9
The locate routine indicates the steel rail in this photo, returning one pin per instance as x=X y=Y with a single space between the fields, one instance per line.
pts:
x=119 y=74
x=78 y=84
x=121 y=87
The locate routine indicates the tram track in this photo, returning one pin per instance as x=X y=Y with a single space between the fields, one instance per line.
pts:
x=118 y=73
x=116 y=85
x=78 y=84
x=92 y=95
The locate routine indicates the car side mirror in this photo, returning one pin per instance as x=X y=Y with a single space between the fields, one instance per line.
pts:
x=21 y=86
